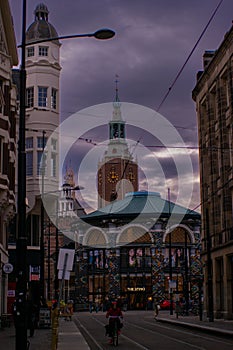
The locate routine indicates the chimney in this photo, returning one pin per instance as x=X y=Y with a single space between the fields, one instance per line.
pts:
x=207 y=57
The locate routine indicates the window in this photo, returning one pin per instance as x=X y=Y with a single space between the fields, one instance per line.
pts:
x=2 y=101
x=29 y=163
x=39 y=158
x=53 y=165
x=1 y=155
x=30 y=51
x=136 y=257
x=97 y=259
x=29 y=142
x=54 y=144
x=42 y=96
x=30 y=97
x=33 y=230
x=54 y=99
x=43 y=51
x=40 y=142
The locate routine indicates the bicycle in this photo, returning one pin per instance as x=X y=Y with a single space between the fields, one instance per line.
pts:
x=115 y=330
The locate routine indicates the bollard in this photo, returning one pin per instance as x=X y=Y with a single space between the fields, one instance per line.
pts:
x=55 y=324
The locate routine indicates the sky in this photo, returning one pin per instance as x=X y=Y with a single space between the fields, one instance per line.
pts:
x=152 y=42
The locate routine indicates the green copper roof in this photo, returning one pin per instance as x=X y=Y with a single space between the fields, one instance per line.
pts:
x=143 y=203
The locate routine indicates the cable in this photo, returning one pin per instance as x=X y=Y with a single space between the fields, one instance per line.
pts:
x=187 y=59
x=212 y=194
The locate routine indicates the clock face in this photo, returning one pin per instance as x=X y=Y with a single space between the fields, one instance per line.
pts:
x=131 y=176
x=112 y=176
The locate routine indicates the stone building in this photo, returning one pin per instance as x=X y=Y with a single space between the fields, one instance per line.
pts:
x=214 y=105
x=8 y=108
x=42 y=119
x=139 y=248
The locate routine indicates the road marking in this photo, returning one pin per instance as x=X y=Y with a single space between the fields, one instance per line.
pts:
x=167 y=336
x=125 y=337
x=89 y=335
x=135 y=343
x=188 y=333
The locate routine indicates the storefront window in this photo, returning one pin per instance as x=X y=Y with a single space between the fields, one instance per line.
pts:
x=177 y=257
x=137 y=257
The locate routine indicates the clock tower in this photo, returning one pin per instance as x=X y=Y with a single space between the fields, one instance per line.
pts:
x=117 y=171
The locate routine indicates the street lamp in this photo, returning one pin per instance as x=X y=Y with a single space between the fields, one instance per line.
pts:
x=21 y=244
x=170 y=255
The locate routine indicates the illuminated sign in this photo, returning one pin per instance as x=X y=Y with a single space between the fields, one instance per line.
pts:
x=136 y=289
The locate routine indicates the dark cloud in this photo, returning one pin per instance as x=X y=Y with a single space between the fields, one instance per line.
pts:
x=153 y=40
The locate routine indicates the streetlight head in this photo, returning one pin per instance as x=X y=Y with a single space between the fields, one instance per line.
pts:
x=104 y=33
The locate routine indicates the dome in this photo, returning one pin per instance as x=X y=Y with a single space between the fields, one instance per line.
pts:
x=41 y=28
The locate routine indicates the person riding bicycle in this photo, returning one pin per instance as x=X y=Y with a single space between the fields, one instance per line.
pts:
x=114 y=314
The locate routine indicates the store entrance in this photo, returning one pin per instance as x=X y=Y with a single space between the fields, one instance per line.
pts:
x=136 y=301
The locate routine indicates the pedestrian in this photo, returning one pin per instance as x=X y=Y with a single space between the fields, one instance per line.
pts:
x=96 y=305
x=156 y=307
x=91 y=307
x=31 y=316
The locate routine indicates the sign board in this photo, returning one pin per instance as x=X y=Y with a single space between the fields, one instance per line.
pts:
x=44 y=318
x=34 y=273
x=11 y=293
x=66 y=275
x=69 y=261
x=8 y=268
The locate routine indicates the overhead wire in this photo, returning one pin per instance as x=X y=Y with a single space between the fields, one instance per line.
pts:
x=189 y=56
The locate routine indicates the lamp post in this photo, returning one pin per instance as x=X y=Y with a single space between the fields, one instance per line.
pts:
x=186 y=288
x=42 y=292
x=21 y=244
x=48 y=263
x=170 y=256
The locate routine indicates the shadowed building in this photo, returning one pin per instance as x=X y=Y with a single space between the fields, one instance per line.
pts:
x=214 y=105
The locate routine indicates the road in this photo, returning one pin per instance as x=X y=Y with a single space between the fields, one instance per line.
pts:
x=142 y=332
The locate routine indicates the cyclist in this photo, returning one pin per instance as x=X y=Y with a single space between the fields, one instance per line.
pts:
x=114 y=314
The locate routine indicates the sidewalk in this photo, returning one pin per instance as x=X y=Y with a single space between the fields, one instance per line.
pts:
x=219 y=326
x=69 y=338
x=40 y=341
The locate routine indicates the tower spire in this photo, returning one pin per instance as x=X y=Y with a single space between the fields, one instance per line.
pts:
x=116 y=102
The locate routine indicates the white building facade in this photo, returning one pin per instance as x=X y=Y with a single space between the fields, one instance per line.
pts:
x=8 y=106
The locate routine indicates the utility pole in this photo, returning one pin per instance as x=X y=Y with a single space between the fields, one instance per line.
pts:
x=170 y=256
x=42 y=291
x=21 y=243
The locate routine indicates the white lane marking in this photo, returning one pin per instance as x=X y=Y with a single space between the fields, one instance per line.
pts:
x=167 y=337
x=124 y=336
x=89 y=335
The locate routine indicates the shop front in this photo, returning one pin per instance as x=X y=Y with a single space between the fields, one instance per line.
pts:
x=140 y=261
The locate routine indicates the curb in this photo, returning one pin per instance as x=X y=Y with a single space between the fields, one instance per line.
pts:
x=202 y=328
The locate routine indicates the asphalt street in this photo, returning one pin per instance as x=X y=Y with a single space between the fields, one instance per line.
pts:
x=142 y=331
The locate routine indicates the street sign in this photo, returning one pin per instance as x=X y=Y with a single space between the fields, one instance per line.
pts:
x=66 y=275
x=61 y=259
x=7 y=268
x=65 y=263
